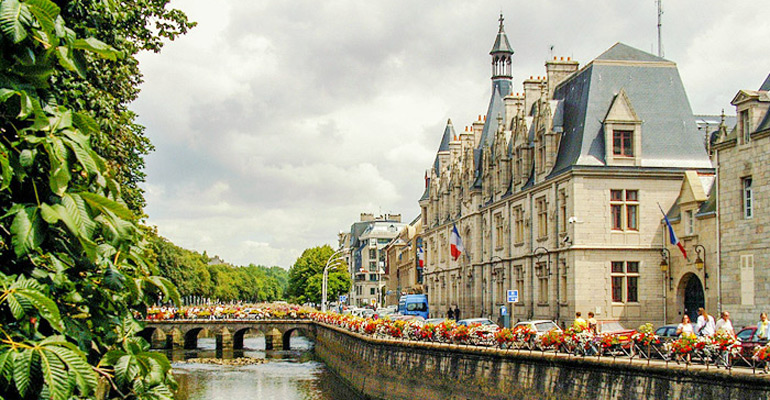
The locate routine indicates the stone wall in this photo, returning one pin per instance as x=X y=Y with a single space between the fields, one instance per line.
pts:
x=394 y=370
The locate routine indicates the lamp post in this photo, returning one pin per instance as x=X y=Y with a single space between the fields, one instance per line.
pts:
x=324 y=284
x=539 y=253
x=493 y=274
x=700 y=264
x=666 y=268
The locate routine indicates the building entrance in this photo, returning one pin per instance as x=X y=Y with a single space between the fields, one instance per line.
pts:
x=693 y=297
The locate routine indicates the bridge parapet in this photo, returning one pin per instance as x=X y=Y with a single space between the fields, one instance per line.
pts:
x=228 y=333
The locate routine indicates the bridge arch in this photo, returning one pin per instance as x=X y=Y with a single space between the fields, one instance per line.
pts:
x=286 y=337
x=240 y=334
x=191 y=338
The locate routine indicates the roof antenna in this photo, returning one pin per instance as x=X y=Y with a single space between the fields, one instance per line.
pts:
x=660 y=38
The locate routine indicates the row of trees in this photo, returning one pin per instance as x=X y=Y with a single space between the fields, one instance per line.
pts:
x=196 y=274
x=74 y=265
x=306 y=277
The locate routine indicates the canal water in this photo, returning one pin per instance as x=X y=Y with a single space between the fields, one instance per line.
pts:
x=287 y=375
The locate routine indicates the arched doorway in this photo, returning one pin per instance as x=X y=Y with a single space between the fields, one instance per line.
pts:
x=693 y=296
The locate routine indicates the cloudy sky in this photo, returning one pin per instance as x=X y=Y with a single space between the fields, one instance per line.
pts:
x=277 y=122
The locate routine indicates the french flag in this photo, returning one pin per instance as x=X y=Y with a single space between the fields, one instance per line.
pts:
x=456 y=243
x=420 y=257
x=672 y=235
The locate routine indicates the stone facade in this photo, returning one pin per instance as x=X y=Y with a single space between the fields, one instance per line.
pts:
x=401 y=263
x=743 y=159
x=556 y=192
x=364 y=251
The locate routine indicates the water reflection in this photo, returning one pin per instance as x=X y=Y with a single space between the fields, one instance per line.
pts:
x=289 y=375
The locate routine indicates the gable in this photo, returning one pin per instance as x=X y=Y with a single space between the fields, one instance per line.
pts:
x=621 y=110
x=692 y=189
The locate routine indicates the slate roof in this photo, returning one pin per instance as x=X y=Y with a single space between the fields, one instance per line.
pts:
x=501 y=41
x=501 y=87
x=655 y=90
x=449 y=134
x=765 y=124
x=766 y=84
x=710 y=205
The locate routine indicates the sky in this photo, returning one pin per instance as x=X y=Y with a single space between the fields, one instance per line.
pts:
x=276 y=123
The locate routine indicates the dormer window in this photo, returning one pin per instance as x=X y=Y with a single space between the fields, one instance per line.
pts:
x=745 y=127
x=623 y=143
x=622 y=133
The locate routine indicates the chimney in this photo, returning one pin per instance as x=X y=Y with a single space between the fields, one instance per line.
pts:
x=513 y=102
x=478 y=127
x=558 y=70
x=531 y=92
x=367 y=217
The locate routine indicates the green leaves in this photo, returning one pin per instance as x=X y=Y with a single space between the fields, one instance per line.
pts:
x=26 y=231
x=13 y=17
x=25 y=296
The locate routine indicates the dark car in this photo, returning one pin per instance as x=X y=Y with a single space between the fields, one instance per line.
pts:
x=749 y=341
x=667 y=333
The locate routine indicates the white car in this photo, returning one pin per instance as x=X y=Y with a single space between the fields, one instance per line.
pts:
x=540 y=326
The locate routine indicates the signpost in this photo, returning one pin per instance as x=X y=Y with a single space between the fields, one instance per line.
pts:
x=513 y=297
x=343 y=298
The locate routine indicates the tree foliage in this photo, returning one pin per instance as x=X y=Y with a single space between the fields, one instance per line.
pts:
x=107 y=86
x=199 y=275
x=306 y=276
x=73 y=263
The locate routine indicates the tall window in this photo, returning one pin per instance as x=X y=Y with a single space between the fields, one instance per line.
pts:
x=689 y=222
x=499 y=231
x=625 y=281
x=622 y=143
x=624 y=209
x=748 y=198
x=541 y=270
x=542 y=217
x=518 y=272
x=518 y=215
x=745 y=127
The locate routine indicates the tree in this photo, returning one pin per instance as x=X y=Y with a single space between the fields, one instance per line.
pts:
x=73 y=264
x=106 y=87
x=306 y=276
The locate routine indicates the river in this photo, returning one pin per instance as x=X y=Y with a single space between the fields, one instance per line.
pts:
x=288 y=375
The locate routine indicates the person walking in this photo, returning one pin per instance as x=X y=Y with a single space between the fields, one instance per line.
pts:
x=705 y=326
x=450 y=314
x=724 y=324
x=457 y=312
x=685 y=326
x=592 y=324
x=579 y=322
x=762 y=327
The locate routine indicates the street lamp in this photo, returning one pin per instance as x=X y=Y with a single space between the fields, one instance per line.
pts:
x=700 y=263
x=324 y=286
x=665 y=267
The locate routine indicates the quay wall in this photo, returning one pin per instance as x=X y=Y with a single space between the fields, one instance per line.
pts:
x=393 y=370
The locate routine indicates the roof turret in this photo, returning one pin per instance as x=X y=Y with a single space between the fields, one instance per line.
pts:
x=501 y=42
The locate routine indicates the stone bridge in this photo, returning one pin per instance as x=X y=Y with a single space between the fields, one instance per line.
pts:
x=228 y=333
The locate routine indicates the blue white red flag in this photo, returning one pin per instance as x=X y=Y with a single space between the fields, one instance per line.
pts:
x=420 y=257
x=672 y=236
x=456 y=243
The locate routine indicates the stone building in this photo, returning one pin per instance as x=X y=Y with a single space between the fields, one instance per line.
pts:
x=743 y=179
x=401 y=263
x=364 y=251
x=556 y=190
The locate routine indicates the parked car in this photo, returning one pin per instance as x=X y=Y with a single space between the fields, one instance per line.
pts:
x=477 y=321
x=667 y=333
x=540 y=326
x=616 y=329
x=435 y=321
x=399 y=317
x=749 y=341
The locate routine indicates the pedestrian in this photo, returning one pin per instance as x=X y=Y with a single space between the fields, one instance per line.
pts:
x=580 y=323
x=685 y=326
x=450 y=313
x=724 y=324
x=457 y=312
x=705 y=326
x=762 y=327
x=592 y=324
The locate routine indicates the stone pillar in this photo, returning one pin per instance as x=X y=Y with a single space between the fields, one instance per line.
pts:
x=272 y=337
x=158 y=339
x=174 y=338
x=224 y=339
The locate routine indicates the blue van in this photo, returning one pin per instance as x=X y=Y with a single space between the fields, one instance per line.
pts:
x=413 y=304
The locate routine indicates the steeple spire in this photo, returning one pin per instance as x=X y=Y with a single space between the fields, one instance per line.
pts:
x=501 y=54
